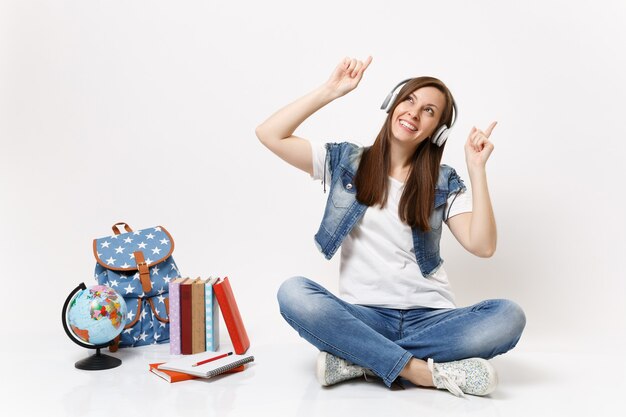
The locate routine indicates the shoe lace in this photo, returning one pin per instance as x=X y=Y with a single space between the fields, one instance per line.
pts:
x=450 y=379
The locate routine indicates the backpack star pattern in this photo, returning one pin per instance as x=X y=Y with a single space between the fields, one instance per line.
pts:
x=147 y=320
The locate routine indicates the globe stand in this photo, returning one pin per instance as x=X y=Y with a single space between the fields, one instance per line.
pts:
x=96 y=362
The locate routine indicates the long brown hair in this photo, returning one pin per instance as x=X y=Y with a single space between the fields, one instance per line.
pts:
x=418 y=196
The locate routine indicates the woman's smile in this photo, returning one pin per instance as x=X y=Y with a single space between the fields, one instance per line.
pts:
x=408 y=126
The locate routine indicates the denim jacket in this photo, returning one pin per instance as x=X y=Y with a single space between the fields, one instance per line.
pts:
x=343 y=211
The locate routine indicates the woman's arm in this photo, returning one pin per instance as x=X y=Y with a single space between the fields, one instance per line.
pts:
x=476 y=231
x=276 y=133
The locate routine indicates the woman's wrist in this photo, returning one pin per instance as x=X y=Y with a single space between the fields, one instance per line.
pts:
x=477 y=171
x=326 y=93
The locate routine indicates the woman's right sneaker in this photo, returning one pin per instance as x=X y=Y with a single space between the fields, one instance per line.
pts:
x=473 y=376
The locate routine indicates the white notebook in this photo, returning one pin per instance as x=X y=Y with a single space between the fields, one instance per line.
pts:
x=209 y=369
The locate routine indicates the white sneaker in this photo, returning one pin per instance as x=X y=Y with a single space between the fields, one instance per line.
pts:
x=473 y=376
x=331 y=370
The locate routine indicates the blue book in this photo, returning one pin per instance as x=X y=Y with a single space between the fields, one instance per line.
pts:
x=212 y=316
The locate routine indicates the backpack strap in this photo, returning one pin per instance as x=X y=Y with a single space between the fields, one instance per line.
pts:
x=144 y=272
x=115 y=344
x=116 y=228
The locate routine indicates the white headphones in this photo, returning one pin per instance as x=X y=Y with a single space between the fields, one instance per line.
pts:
x=441 y=135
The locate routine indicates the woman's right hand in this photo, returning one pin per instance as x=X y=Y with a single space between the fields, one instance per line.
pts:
x=277 y=132
x=346 y=76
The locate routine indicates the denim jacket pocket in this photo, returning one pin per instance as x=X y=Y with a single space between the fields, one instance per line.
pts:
x=344 y=193
x=436 y=217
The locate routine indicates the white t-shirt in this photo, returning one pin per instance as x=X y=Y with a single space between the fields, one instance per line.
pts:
x=378 y=265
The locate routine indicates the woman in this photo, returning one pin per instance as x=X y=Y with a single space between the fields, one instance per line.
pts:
x=396 y=316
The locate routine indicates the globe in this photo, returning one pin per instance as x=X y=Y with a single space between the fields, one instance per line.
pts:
x=97 y=314
x=92 y=318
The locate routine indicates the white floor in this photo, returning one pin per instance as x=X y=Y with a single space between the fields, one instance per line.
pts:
x=281 y=382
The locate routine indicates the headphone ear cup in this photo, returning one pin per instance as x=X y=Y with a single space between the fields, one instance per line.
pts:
x=441 y=135
x=389 y=102
x=385 y=105
x=391 y=97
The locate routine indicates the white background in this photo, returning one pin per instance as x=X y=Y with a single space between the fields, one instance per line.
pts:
x=144 y=111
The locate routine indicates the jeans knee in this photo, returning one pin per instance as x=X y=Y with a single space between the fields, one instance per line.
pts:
x=501 y=330
x=511 y=322
x=290 y=292
x=514 y=317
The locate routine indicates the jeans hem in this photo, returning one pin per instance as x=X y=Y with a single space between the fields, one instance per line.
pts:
x=398 y=367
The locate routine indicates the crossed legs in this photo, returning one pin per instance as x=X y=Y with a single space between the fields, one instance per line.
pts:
x=395 y=343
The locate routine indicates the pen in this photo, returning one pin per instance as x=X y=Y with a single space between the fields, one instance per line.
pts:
x=212 y=359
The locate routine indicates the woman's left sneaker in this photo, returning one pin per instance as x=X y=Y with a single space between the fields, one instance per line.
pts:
x=332 y=370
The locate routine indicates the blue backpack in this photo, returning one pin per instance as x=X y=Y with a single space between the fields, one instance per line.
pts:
x=139 y=266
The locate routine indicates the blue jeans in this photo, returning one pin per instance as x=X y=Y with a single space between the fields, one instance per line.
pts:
x=384 y=339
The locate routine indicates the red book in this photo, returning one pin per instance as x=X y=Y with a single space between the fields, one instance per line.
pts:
x=170 y=376
x=232 y=317
x=185 y=317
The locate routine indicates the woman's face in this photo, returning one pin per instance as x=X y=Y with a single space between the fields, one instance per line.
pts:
x=417 y=117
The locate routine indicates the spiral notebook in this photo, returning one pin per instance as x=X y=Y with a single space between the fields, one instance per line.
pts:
x=206 y=370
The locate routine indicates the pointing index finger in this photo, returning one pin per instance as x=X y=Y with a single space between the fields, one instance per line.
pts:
x=490 y=128
x=367 y=63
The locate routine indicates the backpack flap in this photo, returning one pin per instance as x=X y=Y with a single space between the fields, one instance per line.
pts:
x=137 y=254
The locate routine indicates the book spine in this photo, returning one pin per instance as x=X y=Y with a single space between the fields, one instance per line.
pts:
x=174 y=296
x=216 y=322
x=212 y=319
x=198 y=337
x=185 y=318
x=232 y=317
x=170 y=376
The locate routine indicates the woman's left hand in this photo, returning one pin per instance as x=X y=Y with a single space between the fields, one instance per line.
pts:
x=478 y=148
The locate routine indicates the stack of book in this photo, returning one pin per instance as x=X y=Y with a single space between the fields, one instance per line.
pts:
x=194 y=316
x=194 y=329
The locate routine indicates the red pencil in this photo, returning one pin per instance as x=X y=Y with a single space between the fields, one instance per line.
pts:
x=212 y=359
